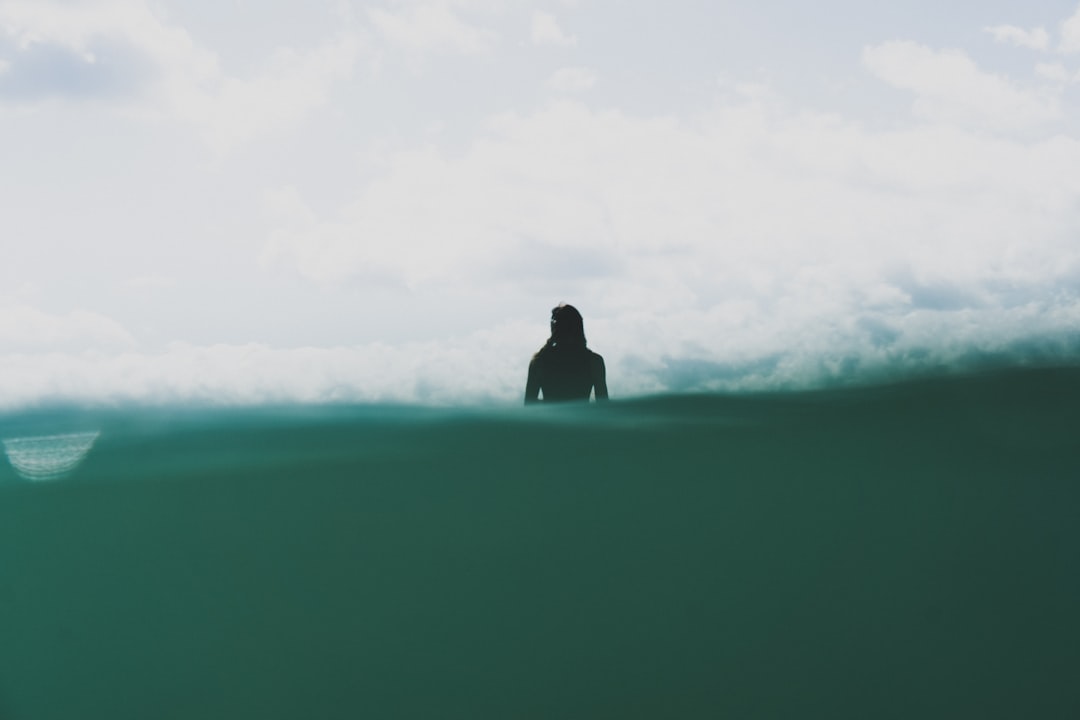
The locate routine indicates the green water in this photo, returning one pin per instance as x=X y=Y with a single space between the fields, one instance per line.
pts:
x=902 y=551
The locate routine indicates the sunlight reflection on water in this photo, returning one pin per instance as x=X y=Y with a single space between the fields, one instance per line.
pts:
x=48 y=457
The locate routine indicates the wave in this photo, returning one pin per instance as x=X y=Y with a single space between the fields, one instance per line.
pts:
x=901 y=548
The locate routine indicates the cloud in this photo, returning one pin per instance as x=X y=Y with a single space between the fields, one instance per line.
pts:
x=546 y=31
x=81 y=50
x=109 y=71
x=153 y=282
x=431 y=27
x=120 y=51
x=25 y=328
x=776 y=247
x=1070 y=34
x=1054 y=72
x=572 y=80
x=752 y=244
x=1036 y=38
x=569 y=178
x=949 y=87
x=234 y=111
x=77 y=32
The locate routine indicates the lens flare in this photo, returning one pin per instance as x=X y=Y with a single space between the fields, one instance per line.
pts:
x=48 y=457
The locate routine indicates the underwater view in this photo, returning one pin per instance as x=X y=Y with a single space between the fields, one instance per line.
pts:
x=902 y=550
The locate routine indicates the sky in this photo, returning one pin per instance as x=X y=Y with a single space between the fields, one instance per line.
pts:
x=244 y=201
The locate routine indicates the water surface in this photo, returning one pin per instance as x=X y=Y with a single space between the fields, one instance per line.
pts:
x=905 y=550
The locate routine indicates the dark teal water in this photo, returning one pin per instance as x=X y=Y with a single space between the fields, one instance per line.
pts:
x=902 y=551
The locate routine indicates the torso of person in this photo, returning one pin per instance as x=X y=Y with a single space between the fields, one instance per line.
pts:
x=565 y=374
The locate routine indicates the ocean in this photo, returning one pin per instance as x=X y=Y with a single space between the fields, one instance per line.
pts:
x=908 y=549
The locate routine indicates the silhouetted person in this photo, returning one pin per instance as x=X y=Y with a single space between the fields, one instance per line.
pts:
x=564 y=369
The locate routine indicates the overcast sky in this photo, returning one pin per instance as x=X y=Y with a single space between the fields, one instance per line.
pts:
x=248 y=200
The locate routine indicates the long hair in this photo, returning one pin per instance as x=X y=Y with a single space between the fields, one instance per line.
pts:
x=567 y=328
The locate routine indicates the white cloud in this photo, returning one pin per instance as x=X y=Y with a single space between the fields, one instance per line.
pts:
x=572 y=80
x=25 y=328
x=1036 y=38
x=4 y=66
x=949 y=87
x=162 y=70
x=1054 y=72
x=747 y=245
x=78 y=27
x=546 y=30
x=1070 y=34
x=577 y=181
x=234 y=111
x=431 y=27
x=772 y=246
x=153 y=282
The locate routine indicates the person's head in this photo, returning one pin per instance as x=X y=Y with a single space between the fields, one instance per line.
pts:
x=567 y=327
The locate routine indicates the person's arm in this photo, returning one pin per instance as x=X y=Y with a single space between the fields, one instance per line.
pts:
x=532 y=385
x=599 y=377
